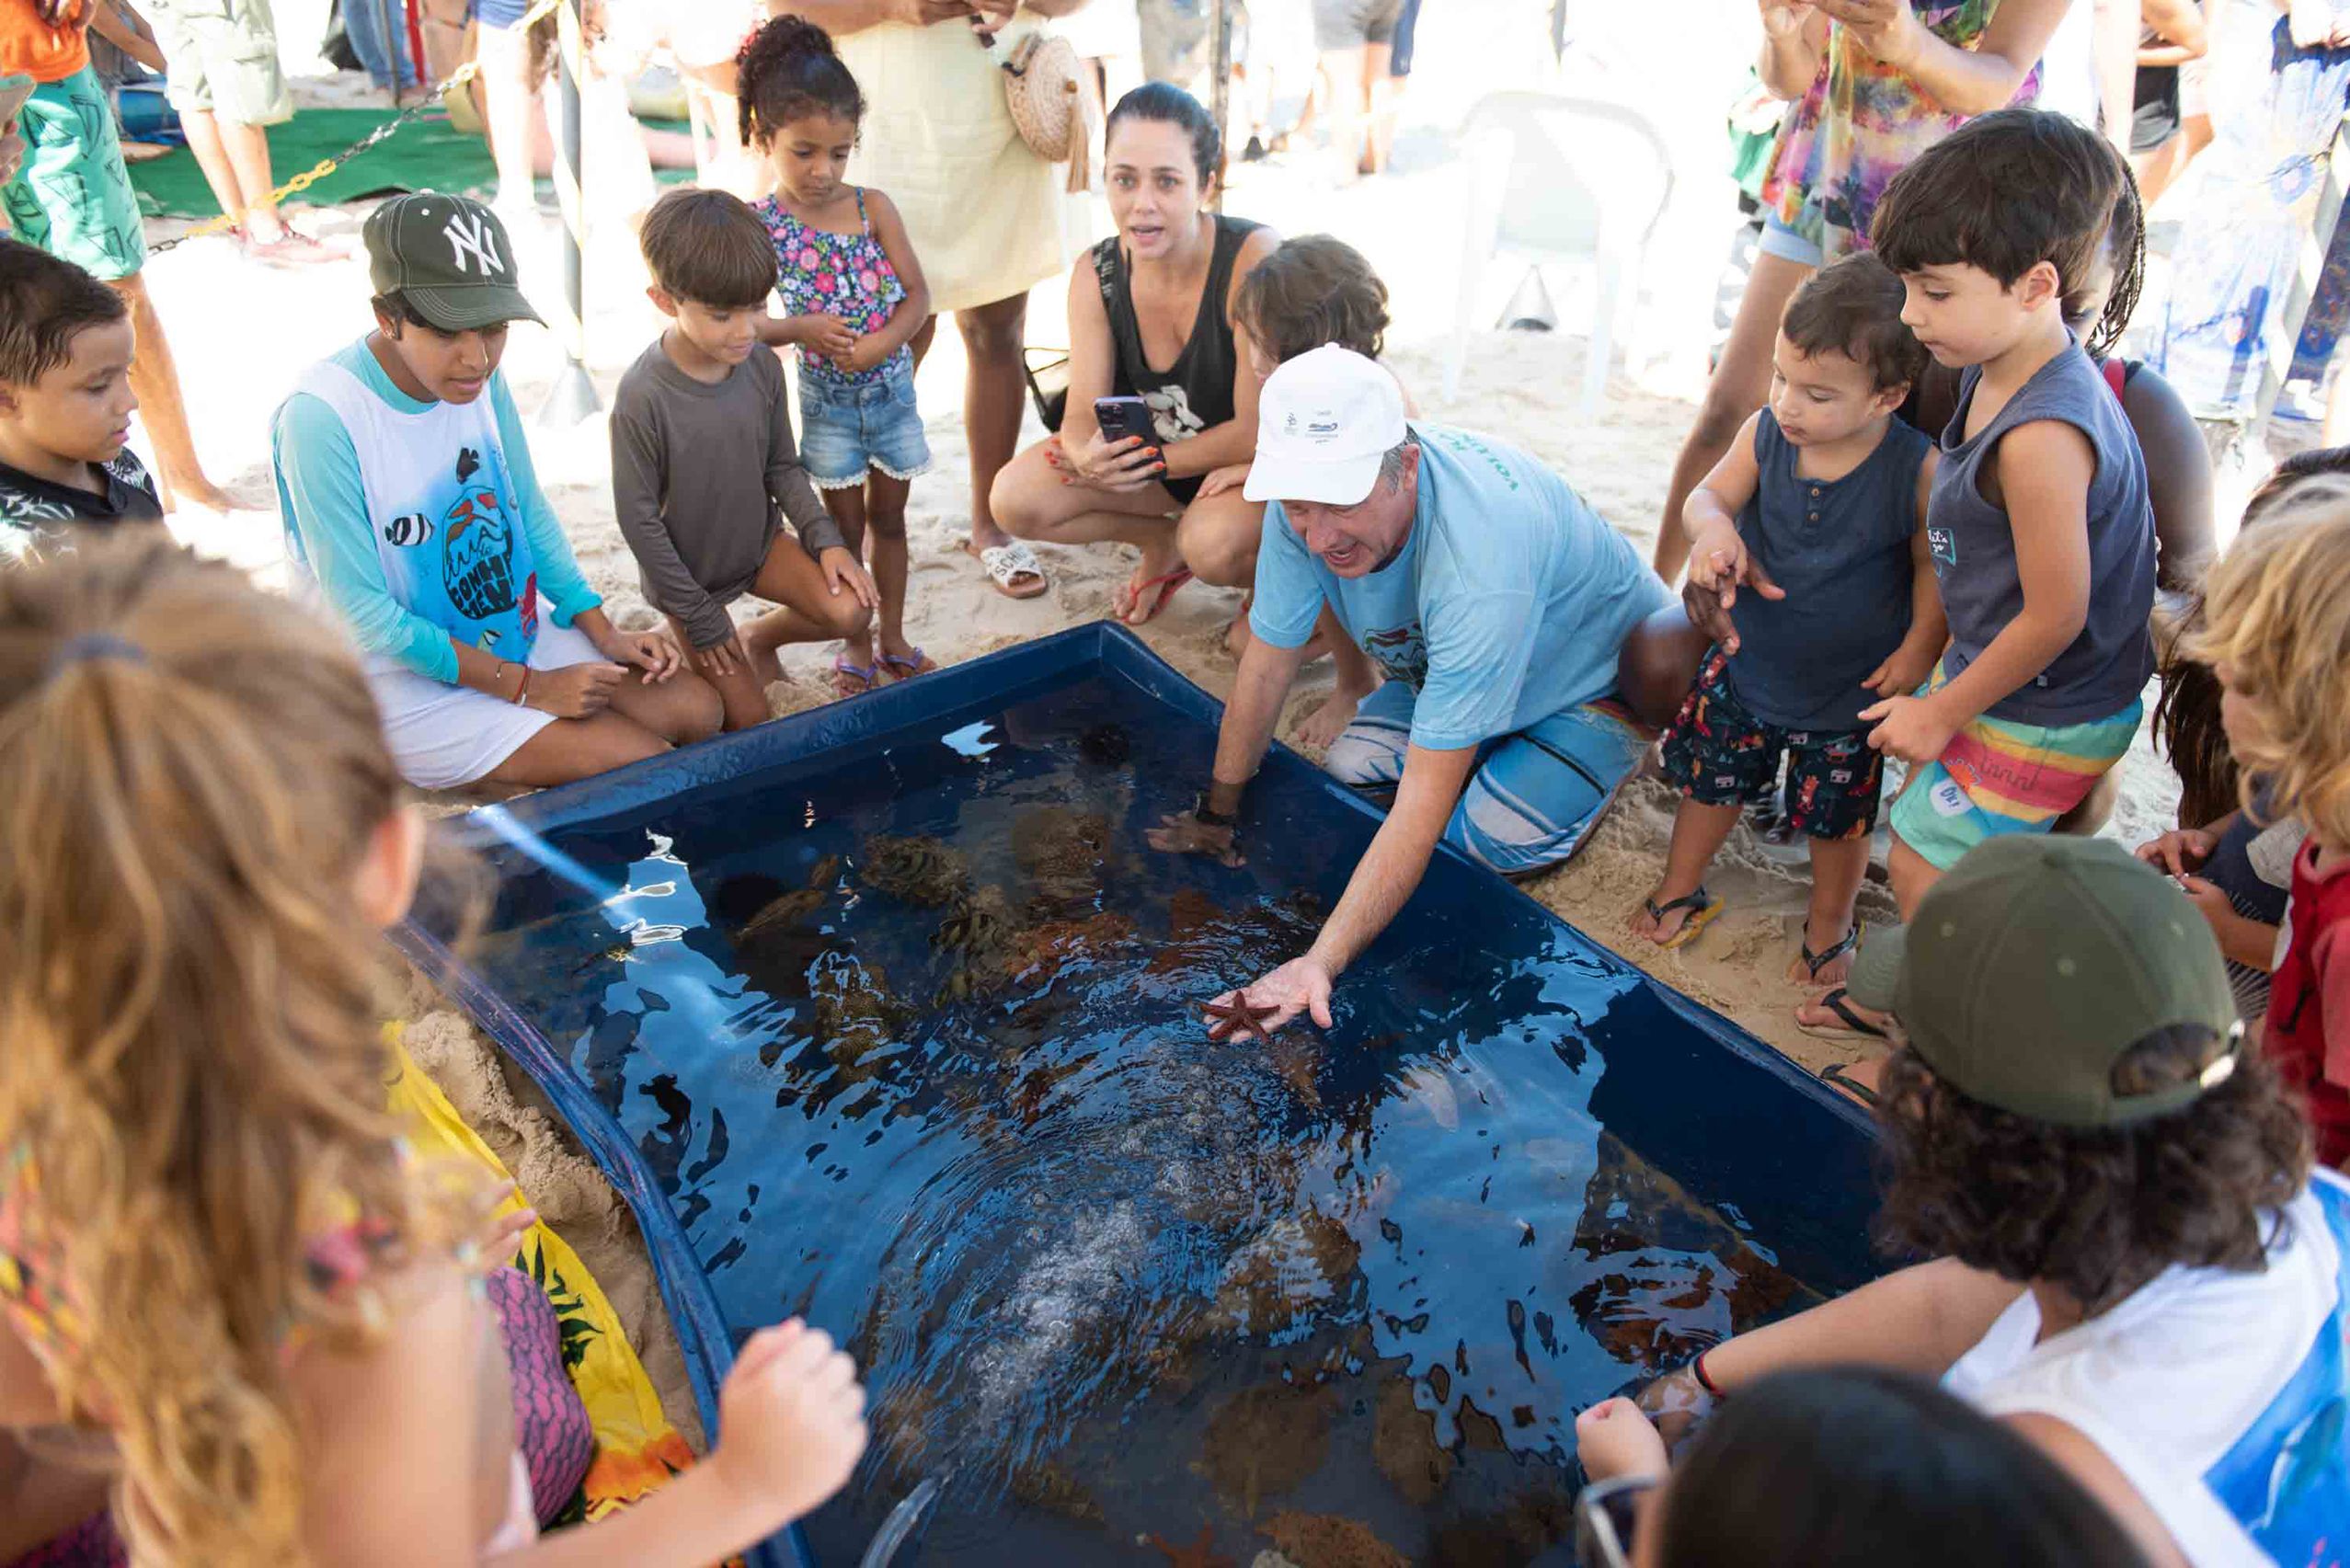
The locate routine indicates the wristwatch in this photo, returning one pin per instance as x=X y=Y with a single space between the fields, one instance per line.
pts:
x=1210 y=816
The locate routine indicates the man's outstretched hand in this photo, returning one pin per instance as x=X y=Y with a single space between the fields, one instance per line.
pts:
x=1182 y=832
x=1301 y=985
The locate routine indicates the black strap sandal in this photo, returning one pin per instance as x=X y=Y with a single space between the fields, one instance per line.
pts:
x=1850 y=1025
x=1815 y=962
x=1838 y=1075
x=1699 y=907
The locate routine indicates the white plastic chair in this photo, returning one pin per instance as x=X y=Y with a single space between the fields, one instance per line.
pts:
x=1558 y=178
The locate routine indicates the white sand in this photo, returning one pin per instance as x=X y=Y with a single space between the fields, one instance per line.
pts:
x=242 y=335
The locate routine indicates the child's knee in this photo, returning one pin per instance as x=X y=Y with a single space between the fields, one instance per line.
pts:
x=694 y=711
x=886 y=523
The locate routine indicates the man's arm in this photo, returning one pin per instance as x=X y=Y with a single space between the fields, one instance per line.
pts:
x=1258 y=691
x=1391 y=869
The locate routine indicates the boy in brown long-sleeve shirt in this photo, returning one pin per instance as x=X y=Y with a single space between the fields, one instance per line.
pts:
x=705 y=467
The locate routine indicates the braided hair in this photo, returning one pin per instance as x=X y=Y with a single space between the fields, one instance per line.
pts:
x=787 y=69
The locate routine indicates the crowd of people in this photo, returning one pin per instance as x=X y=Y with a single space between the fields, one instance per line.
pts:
x=1931 y=522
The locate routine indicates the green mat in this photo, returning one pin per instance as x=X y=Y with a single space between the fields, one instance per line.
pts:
x=428 y=155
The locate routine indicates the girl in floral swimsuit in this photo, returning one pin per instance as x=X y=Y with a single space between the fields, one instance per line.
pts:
x=219 y=1273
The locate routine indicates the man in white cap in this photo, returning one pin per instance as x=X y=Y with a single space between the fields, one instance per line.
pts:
x=1496 y=603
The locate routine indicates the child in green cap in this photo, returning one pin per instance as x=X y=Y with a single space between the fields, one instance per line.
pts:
x=410 y=502
x=2132 y=1261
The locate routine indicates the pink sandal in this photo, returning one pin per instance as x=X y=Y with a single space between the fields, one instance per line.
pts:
x=1165 y=583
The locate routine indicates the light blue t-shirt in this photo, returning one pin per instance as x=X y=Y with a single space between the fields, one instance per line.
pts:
x=478 y=580
x=1509 y=601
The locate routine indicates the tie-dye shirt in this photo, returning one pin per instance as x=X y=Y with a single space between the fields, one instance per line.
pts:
x=1860 y=125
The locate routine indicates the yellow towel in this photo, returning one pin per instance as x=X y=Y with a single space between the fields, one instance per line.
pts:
x=636 y=1448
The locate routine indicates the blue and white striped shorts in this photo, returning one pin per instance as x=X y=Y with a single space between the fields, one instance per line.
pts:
x=1535 y=793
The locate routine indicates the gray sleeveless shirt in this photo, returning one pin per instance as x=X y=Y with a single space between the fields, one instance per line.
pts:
x=2105 y=668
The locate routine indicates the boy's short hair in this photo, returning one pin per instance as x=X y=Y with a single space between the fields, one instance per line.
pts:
x=707 y=246
x=45 y=303
x=1853 y=308
x=2003 y=193
x=1313 y=290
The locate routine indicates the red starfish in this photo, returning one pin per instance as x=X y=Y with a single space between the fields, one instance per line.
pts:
x=1195 y=1555
x=1238 y=1017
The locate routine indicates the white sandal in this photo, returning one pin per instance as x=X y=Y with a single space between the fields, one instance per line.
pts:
x=1002 y=563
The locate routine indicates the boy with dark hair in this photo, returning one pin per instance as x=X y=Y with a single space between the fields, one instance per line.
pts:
x=1817 y=510
x=2041 y=531
x=65 y=405
x=702 y=458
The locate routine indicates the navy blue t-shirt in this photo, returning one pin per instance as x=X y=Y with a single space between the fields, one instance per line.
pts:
x=1841 y=549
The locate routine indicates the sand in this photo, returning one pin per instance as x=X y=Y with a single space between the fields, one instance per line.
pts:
x=241 y=337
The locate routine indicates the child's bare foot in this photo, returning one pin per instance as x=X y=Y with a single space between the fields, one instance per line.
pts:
x=1824 y=961
x=1675 y=923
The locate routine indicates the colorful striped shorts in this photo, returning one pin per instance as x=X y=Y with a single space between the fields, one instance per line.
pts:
x=1997 y=776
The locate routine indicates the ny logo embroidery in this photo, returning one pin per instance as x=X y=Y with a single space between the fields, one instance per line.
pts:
x=473 y=237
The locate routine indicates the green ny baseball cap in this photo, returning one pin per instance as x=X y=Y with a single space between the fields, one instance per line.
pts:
x=2035 y=964
x=449 y=258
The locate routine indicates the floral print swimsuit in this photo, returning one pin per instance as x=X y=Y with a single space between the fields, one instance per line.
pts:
x=848 y=276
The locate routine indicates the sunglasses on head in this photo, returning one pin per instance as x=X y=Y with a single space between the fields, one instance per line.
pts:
x=1605 y=1514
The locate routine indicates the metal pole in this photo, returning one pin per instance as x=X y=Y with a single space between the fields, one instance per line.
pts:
x=1220 y=56
x=573 y=396
x=394 y=43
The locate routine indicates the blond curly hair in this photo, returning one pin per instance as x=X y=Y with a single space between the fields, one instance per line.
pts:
x=2277 y=622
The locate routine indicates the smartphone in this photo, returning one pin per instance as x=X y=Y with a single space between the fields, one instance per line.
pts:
x=15 y=89
x=1121 y=416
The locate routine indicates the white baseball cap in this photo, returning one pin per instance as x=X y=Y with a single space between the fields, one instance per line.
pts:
x=1323 y=421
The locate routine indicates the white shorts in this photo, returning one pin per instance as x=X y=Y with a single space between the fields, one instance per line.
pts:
x=443 y=734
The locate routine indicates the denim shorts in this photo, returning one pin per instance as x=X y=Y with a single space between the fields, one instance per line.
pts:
x=849 y=426
x=1779 y=240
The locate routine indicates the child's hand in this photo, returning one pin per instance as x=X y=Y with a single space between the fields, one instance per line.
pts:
x=651 y=652
x=1904 y=670
x=494 y=1236
x=1614 y=1438
x=791 y=1423
x=843 y=569
x=1785 y=18
x=1718 y=566
x=575 y=690
x=2180 y=850
x=821 y=334
x=1911 y=729
x=720 y=659
x=1230 y=476
x=2209 y=902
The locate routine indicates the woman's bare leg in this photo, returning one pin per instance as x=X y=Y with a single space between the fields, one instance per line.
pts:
x=994 y=393
x=1741 y=383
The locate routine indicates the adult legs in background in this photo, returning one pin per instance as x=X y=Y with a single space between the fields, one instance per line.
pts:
x=363 y=26
x=510 y=110
x=1399 y=75
x=236 y=160
x=1741 y=383
x=228 y=88
x=994 y=390
x=154 y=381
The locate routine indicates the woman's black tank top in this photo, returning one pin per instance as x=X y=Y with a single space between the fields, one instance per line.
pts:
x=1195 y=392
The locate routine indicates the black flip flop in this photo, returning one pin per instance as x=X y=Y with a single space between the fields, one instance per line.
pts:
x=1843 y=1080
x=1853 y=1026
x=1815 y=962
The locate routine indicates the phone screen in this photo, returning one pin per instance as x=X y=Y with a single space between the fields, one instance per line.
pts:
x=1121 y=416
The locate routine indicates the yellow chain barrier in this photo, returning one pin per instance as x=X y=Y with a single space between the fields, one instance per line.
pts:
x=459 y=79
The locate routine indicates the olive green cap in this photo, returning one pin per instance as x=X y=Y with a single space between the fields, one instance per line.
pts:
x=449 y=258
x=2035 y=964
